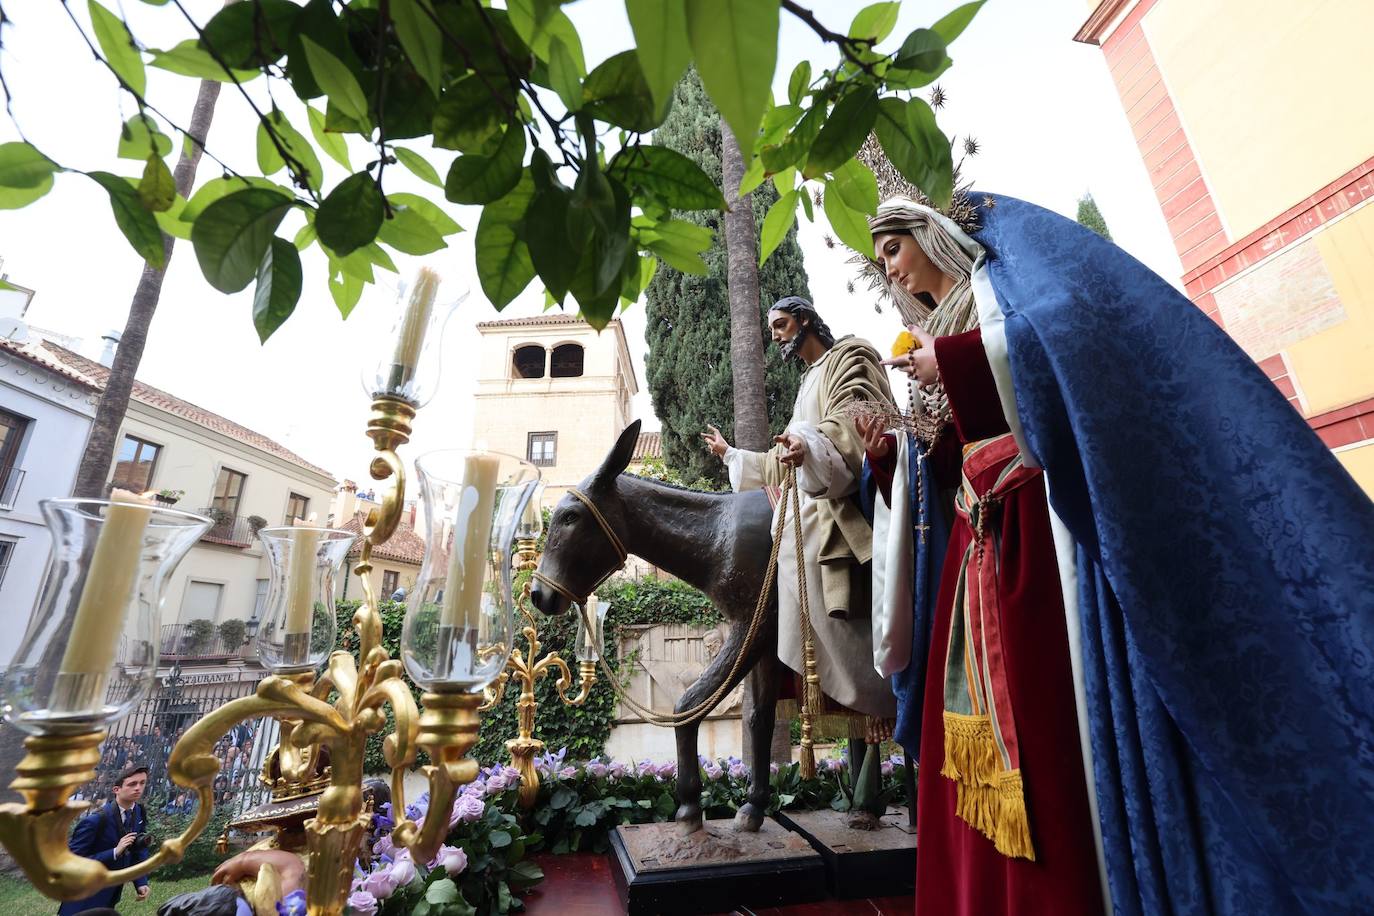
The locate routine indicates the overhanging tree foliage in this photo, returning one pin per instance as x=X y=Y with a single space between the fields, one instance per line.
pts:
x=552 y=152
x=688 y=366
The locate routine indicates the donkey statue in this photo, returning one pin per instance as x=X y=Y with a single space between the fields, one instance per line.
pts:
x=717 y=542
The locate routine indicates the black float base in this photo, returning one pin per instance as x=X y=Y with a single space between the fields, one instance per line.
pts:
x=658 y=871
x=860 y=863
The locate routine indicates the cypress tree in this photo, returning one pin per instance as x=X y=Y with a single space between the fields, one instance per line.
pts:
x=1090 y=216
x=688 y=317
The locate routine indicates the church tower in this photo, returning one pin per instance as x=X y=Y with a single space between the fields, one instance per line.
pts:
x=553 y=390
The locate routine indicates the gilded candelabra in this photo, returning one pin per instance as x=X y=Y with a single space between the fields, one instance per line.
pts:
x=527 y=668
x=338 y=708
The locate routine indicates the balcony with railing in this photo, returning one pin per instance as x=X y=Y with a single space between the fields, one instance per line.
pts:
x=229 y=530
x=202 y=641
x=11 y=479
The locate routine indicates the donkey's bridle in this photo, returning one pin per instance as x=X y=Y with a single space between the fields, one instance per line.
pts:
x=611 y=536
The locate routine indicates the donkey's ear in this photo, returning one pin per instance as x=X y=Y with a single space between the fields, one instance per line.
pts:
x=619 y=457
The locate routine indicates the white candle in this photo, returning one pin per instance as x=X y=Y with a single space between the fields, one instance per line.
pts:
x=416 y=319
x=467 y=562
x=300 y=576
x=109 y=587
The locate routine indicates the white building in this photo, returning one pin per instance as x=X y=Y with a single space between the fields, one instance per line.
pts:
x=46 y=409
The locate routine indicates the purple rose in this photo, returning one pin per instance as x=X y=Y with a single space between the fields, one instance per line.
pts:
x=381 y=884
x=617 y=770
x=403 y=870
x=496 y=784
x=362 y=903
x=596 y=769
x=293 y=904
x=713 y=771
x=887 y=768
x=384 y=847
x=469 y=808
x=666 y=770
x=452 y=859
x=772 y=768
x=739 y=771
x=567 y=773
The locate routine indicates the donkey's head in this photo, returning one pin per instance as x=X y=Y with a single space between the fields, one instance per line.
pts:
x=579 y=553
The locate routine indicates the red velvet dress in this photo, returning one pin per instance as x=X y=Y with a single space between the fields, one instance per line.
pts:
x=958 y=871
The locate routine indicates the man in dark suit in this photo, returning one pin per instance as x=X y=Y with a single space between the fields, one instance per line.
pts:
x=109 y=834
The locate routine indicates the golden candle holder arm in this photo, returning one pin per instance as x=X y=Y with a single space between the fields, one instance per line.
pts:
x=35 y=833
x=586 y=677
x=447 y=731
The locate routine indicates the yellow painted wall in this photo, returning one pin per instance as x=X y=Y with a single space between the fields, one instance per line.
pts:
x=1274 y=95
x=1335 y=367
x=1360 y=463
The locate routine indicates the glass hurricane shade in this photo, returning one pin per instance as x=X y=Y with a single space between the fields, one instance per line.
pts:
x=298 y=625
x=90 y=646
x=531 y=524
x=409 y=366
x=460 y=618
x=591 y=627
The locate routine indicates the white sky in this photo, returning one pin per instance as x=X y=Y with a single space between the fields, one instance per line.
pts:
x=1043 y=109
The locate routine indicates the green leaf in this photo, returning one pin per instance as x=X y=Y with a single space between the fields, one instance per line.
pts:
x=334 y=145
x=679 y=181
x=418 y=165
x=345 y=288
x=785 y=181
x=780 y=218
x=468 y=116
x=23 y=166
x=232 y=234
x=855 y=184
x=270 y=160
x=133 y=219
x=474 y=179
x=157 y=190
x=278 y=289
x=923 y=51
x=753 y=176
x=444 y=890
x=799 y=82
x=503 y=260
x=806 y=206
x=305 y=237
x=617 y=93
x=913 y=142
x=441 y=221
x=660 y=29
x=421 y=39
x=189 y=59
x=798 y=143
x=216 y=188
x=850 y=226
x=564 y=75
x=677 y=243
x=498 y=839
x=539 y=22
x=118 y=44
x=337 y=81
x=14 y=198
x=545 y=231
x=409 y=232
x=251 y=34
x=140 y=138
x=875 y=22
x=952 y=25
x=735 y=44
x=351 y=215
x=844 y=131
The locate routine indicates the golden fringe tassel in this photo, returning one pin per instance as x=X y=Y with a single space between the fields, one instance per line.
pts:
x=1012 y=836
x=970 y=750
x=807 y=760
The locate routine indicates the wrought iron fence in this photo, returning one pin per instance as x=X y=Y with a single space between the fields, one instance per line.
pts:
x=200 y=640
x=146 y=738
x=231 y=530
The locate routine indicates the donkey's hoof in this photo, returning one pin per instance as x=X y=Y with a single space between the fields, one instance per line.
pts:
x=749 y=818
x=688 y=819
x=862 y=820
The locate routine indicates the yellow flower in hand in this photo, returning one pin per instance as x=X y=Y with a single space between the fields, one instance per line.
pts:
x=904 y=344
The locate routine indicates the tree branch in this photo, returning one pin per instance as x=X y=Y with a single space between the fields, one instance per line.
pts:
x=847 y=44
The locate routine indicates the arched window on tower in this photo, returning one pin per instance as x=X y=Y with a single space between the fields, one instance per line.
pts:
x=567 y=361
x=528 y=362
